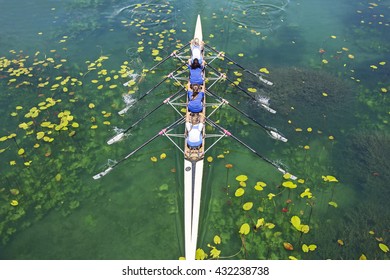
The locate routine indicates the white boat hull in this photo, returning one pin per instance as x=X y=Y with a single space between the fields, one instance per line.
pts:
x=193 y=174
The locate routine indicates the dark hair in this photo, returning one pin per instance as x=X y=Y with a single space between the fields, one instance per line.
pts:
x=195 y=64
x=195 y=88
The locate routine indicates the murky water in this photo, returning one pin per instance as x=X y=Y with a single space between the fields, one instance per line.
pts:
x=329 y=63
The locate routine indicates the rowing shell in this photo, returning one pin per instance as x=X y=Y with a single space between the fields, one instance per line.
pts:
x=193 y=174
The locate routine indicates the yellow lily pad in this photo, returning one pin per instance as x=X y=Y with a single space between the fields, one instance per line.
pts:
x=260 y=222
x=289 y=184
x=21 y=151
x=332 y=203
x=14 y=203
x=247 y=206
x=383 y=247
x=40 y=135
x=242 y=178
x=217 y=239
x=244 y=229
x=239 y=192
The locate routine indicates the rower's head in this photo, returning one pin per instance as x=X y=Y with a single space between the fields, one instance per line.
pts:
x=195 y=64
x=195 y=88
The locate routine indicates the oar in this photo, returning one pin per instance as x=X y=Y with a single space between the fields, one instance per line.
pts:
x=227 y=133
x=238 y=65
x=120 y=136
x=265 y=106
x=162 y=132
x=121 y=112
x=168 y=56
x=272 y=132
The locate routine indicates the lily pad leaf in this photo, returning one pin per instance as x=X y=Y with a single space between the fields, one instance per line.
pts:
x=242 y=178
x=244 y=229
x=247 y=206
x=383 y=247
x=239 y=192
x=332 y=203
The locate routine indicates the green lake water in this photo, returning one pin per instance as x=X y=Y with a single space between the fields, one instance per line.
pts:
x=329 y=62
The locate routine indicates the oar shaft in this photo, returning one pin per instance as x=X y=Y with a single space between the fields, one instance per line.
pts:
x=160 y=133
x=152 y=111
x=237 y=109
x=227 y=133
x=230 y=81
x=241 y=67
x=167 y=57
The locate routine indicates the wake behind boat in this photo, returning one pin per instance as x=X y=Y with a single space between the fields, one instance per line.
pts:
x=194 y=152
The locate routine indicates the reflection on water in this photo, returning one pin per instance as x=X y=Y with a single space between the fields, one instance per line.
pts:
x=65 y=77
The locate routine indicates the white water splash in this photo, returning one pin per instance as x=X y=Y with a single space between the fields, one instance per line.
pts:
x=263 y=99
x=128 y=99
x=118 y=130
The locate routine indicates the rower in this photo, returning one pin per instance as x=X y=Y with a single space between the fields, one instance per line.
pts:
x=197 y=50
x=196 y=71
x=195 y=98
x=194 y=127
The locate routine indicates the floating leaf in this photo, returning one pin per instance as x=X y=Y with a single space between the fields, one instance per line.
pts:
x=383 y=247
x=214 y=253
x=260 y=222
x=58 y=177
x=200 y=254
x=14 y=203
x=363 y=257
x=40 y=135
x=288 y=246
x=312 y=247
x=253 y=90
x=153 y=159
x=242 y=184
x=332 y=203
x=217 y=239
x=270 y=196
x=258 y=188
x=287 y=176
x=296 y=222
x=163 y=156
x=264 y=70
x=210 y=159
x=289 y=184
x=91 y=105
x=305 y=228
x=307 y=193
x=292 y=258
x=247 y=206
x=340 y=242
x=329 y=178
x=14 y=191
x=239 y=192
x=242 y=178
x=244 y=229
x=21 y=151
x=270 y=225
x=305 y=248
